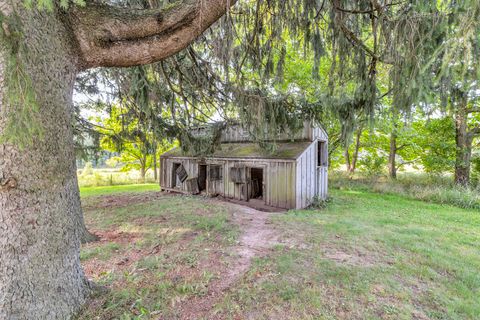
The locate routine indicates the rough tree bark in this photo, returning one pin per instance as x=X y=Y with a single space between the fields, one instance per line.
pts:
x=357 y=149
x=143 y=170
x=40 y=214
x=346 y=154
x=463 y=139
x=352 y=162
x=155 y=173
x=392 y=155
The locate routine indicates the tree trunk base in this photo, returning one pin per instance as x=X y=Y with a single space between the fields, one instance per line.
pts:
x=88 y=237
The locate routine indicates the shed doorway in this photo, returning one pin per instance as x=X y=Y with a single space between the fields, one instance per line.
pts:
x=176 y=180
x=256 y=181
x=176 y=183
x=202 y=177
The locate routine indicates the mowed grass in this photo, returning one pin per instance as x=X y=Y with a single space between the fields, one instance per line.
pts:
x=86 y=192
x=366 y=256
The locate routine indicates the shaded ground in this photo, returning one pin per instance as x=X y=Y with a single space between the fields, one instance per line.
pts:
x=257 y=237
x=218 y=258
x=366 y=256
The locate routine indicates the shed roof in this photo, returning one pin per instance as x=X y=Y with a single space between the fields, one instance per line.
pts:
x=286 y=150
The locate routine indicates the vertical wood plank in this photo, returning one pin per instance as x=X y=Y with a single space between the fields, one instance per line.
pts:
x=281 y=184
x=298 y=188
x=274 y=185
x=266 y=182
x=291 y=187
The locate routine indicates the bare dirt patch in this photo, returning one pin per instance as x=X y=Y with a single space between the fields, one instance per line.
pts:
x=123 y=200
x=356 y=258
x=126 y=257
x=257 y=238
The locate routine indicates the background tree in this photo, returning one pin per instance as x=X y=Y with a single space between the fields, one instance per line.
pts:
x=137 y=146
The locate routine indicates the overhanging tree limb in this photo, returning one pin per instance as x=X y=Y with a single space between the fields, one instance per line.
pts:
x=473 y=109
x=109 y=36
x=475 y=131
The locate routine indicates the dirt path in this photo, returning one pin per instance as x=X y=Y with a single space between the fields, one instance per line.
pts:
x=257 y=237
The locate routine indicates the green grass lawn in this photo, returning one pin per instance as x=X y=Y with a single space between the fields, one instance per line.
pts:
x=367 y=256
x=101 y=191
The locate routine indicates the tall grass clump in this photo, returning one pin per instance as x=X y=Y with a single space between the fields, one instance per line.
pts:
x=437 y=189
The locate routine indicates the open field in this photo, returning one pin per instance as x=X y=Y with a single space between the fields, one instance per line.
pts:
x=97 y=177
x=107 y=190
x=367 y=256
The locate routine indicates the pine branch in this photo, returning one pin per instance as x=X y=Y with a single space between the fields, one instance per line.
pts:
x=377 y=8
x=356 y=41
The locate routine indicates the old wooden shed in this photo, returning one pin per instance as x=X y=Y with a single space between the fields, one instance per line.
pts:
x=290 y=177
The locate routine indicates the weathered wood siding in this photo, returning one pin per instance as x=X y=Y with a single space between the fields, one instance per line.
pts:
x=236 y=133
x=318 y=133
x=322 y=182
x=309 y=133
x=312 y=179
x=322 y=171
x=166 y=169
x=278 y=179
x=286 y=183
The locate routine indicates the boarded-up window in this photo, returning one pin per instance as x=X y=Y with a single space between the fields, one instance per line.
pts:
x=322 y=154
x=181 y=173
x=192 y=186
x=216 y=173
x=238 y=175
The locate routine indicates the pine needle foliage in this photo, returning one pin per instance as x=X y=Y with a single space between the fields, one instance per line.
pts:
x=20 y=97
x=375 y=52
x=49 y=5
x=362 y=40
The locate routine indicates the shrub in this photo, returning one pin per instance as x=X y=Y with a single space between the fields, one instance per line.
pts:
x=476 y=170
x=318 y=203
x=372 y=164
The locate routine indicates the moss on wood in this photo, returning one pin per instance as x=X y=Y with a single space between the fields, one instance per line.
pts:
x=290 y=150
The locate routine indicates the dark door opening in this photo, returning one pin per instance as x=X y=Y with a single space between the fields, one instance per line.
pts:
x=256 y=176
x=175 y=180
x=202 y=177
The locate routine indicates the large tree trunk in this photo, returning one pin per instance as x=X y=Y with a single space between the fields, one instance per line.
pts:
x=351 y=162
x=41 y=221
x=155 y=173
x=392 y=165
x=463 y=142
x=392 y=156
x=357 y=149
x=40 y=213
x=346 y=154
x=143 y=168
